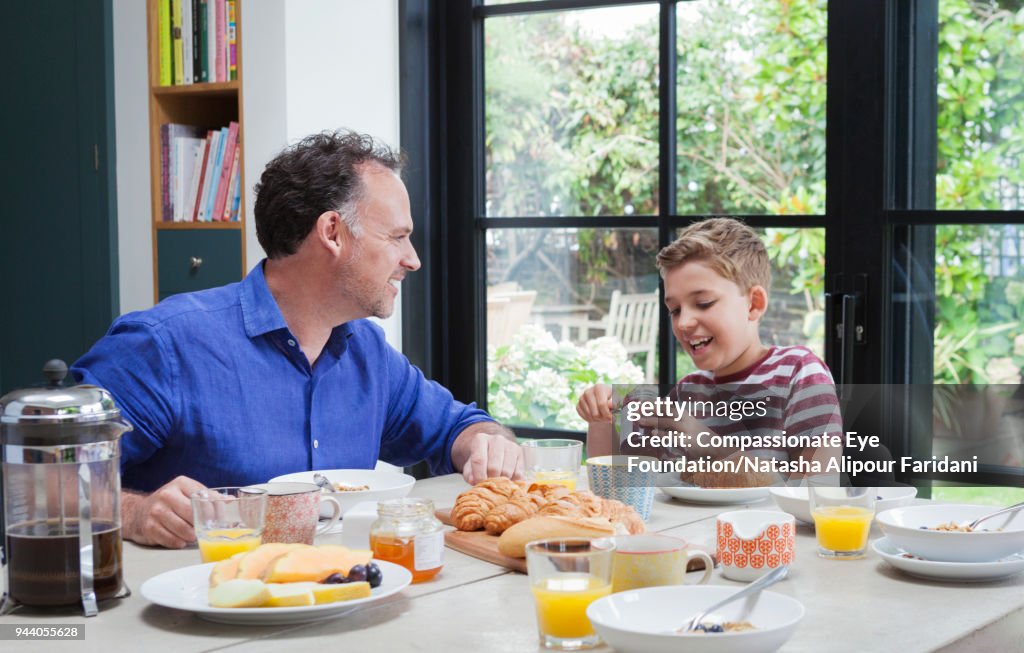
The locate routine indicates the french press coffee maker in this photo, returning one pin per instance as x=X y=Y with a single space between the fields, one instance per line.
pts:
x=62 y=494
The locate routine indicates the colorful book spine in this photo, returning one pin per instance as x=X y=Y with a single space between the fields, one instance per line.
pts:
x=225 y=171
x=189 y=209
x=204 y=39
x=213 y=174
x=237 y=201
x=197 y=65
x=232 y=186
x=186 y=40
x=202 y=177
x=165 y=174
x=163 y=39
x=222 y=29
x=232 y=42
x=178 y=53
x=211 y=39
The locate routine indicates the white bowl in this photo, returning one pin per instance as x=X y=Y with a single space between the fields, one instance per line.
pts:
x=796 y=501
x=904 y=527
x=644 y=620
x=383 y=485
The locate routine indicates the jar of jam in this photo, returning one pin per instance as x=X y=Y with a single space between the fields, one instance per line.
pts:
x=407 y=533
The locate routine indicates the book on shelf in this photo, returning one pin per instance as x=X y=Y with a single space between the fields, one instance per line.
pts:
x=225 y=172
x=197 y=41
x=233 y=187
x=187 y=147
x=177 y=52
x=163 y=28
x=210 y=177
x=232 y=41
x=202 y=30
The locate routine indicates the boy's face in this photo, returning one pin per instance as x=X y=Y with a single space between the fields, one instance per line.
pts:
x=714 y=321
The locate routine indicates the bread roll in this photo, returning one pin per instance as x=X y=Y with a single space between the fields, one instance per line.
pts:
x=513 y=541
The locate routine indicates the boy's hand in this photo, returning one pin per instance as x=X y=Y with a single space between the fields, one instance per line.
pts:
x=595 y=405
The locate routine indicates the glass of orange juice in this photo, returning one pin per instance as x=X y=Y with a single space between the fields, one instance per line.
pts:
x=552 y=461
x=567 y=575
x=228 y=520
x=842 y=520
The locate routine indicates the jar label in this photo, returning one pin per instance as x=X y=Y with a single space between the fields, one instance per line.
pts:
x=429 y=548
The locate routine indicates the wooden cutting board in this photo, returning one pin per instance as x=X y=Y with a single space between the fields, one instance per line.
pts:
x=480 y=544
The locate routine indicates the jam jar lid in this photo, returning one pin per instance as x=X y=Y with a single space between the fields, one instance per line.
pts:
x=57 y=404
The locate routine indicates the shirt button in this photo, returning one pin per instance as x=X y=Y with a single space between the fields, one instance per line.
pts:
x=316 y=444
x=291 y=343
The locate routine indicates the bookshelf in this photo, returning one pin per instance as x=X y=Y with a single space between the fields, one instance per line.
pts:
x=192 y=255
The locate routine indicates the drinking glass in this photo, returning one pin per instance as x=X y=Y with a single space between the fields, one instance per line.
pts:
x=566 y=575
x=228 y=520
x=842 y=520
x=552 y=461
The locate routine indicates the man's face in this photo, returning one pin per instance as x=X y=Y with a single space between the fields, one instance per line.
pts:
x=383 y=253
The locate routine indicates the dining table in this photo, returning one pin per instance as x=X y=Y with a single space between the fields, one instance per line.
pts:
x=472 y=605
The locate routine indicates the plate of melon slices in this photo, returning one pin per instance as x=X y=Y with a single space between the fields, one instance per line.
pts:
x=278 y=585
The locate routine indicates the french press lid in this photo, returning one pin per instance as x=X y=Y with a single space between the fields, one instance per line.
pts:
x=55 y=405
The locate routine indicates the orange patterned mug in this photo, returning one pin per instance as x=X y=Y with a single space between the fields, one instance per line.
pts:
x=753 y=542
x=293 y=512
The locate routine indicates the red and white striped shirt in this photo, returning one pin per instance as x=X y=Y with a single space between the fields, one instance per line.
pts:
x=796 y=386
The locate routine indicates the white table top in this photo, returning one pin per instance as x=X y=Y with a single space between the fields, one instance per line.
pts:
x=861 y=606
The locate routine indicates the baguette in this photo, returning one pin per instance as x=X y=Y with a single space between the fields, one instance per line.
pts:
x=513 y=541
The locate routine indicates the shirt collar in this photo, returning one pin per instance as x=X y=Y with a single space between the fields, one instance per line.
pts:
x=259 y=309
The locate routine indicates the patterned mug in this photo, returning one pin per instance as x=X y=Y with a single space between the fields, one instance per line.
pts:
x=619 y=478
x=293 y=512
x=753 y=542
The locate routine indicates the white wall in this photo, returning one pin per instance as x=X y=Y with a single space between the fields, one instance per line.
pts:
x=308 y=65
x=131 y=107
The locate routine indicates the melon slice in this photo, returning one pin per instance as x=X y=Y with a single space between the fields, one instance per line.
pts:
x=226 y=569
x=322 y=592
x=255 y=563
x=289 y=595
x=311 y=563
x=238 y=593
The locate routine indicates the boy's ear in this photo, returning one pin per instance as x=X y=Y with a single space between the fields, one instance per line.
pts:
x=758 y=303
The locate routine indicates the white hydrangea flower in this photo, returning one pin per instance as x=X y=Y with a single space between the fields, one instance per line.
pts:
x=1003 y=370
x=501 y=407
x=547 y=387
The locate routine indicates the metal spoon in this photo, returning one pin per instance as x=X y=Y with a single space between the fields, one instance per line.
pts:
x=322 y=481
x=1014 y=508
x=754 y=588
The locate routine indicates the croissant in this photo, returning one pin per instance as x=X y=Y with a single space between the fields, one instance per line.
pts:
x=575 y=504
x=472 y=505
x=513 y=511
x=619 y=513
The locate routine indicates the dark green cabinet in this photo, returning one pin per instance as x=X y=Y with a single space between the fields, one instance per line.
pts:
x=189 y=259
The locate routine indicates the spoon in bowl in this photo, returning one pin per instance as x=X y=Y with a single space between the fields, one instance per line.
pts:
x=322 y=481
x=750 y=590
x=1014 y=508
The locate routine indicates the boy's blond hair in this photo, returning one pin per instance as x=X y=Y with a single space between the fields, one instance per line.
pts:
x=727 y=246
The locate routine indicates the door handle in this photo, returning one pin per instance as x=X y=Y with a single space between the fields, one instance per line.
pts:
x=845 y=331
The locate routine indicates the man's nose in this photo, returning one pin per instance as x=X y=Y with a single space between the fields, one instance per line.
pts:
x=410 y=261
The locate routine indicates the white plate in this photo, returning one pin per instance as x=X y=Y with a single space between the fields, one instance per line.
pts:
x=383 y=485
x=910 y=529
x=717 y=495
x=185 y=589
x=964 y=572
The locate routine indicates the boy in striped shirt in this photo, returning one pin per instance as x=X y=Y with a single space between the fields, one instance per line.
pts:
x=716 y=276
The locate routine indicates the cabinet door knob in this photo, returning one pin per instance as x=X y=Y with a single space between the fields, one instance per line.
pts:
x=195 y=262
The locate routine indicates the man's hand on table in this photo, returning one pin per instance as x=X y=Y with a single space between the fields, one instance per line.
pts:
x=163 y=518
x=486 y=449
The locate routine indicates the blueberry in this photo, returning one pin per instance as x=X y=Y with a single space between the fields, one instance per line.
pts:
x=334 y=579
x=357 y=573
x=374 y=575
x=923 y=528
x=701 y=627
x=715 y=628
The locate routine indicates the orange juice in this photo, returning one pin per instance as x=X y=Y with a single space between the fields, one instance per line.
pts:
x=842 y=528
x=220 y=544
x=562 y=602
x=566 y=478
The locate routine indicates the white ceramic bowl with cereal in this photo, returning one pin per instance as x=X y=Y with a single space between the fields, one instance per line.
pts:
x=645 y=620
x=913 y=529
x=363 y=484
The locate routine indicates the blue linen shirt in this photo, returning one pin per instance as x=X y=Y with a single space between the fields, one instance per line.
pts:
x=219 y=390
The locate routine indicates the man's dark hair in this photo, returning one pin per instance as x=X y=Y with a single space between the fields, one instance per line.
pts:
x=317 y=174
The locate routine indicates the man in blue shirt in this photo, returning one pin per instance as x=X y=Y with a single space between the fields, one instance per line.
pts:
x=280 y=372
